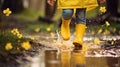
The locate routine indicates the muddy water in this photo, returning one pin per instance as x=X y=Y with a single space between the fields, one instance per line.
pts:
x=77 y=59
x=52 y=59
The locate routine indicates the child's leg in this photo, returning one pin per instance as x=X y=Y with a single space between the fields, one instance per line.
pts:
x=66 y=19
x=80 y=28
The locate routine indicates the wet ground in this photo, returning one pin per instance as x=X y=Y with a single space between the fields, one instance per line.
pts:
x=46 y=53
x=77 y=59
x=94 y=57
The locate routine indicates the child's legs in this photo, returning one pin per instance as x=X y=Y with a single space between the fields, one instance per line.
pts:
x=80 y=28
x=67 y=14
x=81 y=16
x=66 y=19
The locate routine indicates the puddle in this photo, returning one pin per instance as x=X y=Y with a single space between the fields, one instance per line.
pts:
x=94 y=58
x=77 y=59
x=52 y=59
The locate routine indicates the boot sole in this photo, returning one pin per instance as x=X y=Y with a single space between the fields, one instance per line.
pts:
x=77 y=46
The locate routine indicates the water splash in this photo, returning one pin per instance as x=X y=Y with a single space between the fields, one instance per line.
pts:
x=63 y=45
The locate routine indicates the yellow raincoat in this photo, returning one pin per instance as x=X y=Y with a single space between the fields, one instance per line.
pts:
x=73 y=4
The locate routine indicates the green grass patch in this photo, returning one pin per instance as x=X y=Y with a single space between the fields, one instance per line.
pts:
x=32 y=26
x=29 y=14
x=92 y=13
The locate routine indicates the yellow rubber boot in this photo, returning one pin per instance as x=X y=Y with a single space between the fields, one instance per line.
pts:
x=80 y=30
x=65 y=29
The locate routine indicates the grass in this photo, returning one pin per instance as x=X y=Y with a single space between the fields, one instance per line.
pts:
x=29 y=14
x=92 y=13
x=43 y=26
x=29 y=17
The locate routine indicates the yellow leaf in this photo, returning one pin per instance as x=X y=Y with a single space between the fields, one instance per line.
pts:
x=48 y=29
x=107 y=23
x=8 y=46
x=15 y=31
x=54 y=41
x=37 y=30
x=26 y=45
x=19 y=35
x=102 y=9
x=52 y=34
x=112 y=43
x=7 y=12
x=96 y=41
x=106 y=32
x=32 y=38
x=100 y=31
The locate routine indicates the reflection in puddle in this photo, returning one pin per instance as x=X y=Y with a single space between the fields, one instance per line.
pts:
x=51 y=59
x=102 y=62
x=65 y=59
x=78 y=59
x=113 y=61
x=96 y=62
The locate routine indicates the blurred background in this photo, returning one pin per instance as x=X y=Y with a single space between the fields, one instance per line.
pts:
x=29 y=15
x=39 y=21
